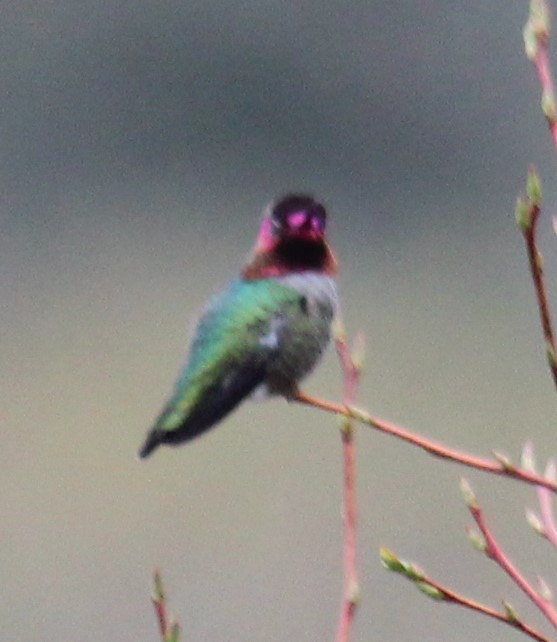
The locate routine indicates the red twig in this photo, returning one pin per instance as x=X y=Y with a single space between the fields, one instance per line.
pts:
x=351 y=372
x=536 y=268
x=494 y=551
x=535 y=260
x=444 y=594
x=159 y=604
x=536 y=38
x=497 y=466
x=169 y=630
x=452 y=597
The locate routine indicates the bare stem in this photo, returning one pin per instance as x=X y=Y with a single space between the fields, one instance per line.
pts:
x=442 y=593
x=535 y=261
x=494 y=466
x=169 y=631
x=351 y=372
x=516 y=622
x=494 y=551
x=450 y=596
x=536 y=39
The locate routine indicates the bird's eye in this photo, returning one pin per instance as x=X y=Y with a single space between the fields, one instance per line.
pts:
x=318 y=223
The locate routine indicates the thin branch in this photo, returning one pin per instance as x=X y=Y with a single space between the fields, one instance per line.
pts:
x=169 y=630
x=535 y=260
x=351 y=592
x=536 y=39
x=528 y=212
x=434 y=589
x=516 y=622
x=494 y=551
x=497 y=466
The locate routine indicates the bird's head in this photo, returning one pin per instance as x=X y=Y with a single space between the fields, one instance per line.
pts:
x=297 y=216
x=292 y=239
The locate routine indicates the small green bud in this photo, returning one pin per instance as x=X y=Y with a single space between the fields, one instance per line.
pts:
x=544 y=590
x=359 y=351
x=158 y=590
x=534 y=522
x=339 y=331
x=527 y=459
x=550 y=352
x=536 y=30
x=530 y=41
x=390 y=561
x=510 y=613
x=477 y=540
x=414 y=572
x=430 y=590
x=344 y=424
x=359 y=415
x=522 y=213
x=393 y=563
x=174 y=634
x=468 y=493
x=503 y=460
x=534 y=186
x=354 y=594
x=548 y=105
x=539 y=18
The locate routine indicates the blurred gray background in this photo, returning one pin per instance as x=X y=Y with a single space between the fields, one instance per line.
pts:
x=139 y=142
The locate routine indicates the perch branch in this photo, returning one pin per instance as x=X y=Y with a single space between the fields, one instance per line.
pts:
x=499 y=465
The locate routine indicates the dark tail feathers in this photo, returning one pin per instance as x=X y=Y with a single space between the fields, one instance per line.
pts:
x=153 y=441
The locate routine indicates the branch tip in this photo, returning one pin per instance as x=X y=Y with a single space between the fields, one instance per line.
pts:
x=353 y=594
x=534 y=187
x=534 y=522
x=548 y=105
x=527 y=458
x=158 y=589
x=468 y=494
x=504 y=460
x=522 y=214
x=551 y=470
x=550 y=351
x=174 y=634
x=510 y=612
x=544 y=589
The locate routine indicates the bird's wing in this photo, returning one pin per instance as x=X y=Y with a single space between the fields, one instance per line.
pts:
x=236 y=339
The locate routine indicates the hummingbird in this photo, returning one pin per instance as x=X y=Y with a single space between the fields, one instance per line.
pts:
x=265 y=332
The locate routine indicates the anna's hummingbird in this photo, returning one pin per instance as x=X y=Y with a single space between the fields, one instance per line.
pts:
x=263 y=333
